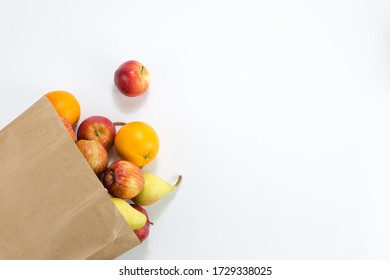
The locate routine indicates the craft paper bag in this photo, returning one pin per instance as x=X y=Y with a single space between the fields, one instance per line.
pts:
x=52 y=205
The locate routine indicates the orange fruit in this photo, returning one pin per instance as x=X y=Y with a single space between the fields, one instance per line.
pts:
x=65 y=104
x=137 y=142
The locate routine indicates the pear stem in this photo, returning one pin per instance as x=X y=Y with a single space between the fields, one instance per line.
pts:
x=178 y=181
x=118 y=123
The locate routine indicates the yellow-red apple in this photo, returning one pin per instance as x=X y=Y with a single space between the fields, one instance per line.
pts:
x=143 y=232
x=132 y=78
x=97 y=128
x=95 y=154
x=123 y=179
x=69 y=128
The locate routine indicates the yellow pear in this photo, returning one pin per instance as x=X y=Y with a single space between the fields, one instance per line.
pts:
x=154 y=189
x=133 y=217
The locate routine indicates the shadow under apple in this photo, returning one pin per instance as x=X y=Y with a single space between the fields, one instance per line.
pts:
x=128 y=104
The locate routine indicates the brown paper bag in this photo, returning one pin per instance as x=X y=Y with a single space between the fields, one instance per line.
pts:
x=52 y=205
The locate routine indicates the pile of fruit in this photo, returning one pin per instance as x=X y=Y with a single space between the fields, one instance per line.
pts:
x=136 y=144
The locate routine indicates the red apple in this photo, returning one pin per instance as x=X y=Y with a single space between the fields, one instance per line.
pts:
x=132 y=78
x=97 y=128
x=95 y=154
x=143 y=232
x=123 y=179
x=69 y=128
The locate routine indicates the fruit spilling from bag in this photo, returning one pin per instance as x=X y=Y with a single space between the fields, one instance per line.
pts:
x=136 y=144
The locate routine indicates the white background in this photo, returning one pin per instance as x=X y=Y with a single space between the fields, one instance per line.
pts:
x=276 y=113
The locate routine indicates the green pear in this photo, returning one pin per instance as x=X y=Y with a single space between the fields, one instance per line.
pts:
x=154 y=189
x=133 y=217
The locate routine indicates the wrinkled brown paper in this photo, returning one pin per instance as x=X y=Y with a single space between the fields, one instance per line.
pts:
x=52 y=205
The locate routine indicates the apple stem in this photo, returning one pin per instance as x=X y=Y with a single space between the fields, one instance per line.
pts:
x=119 y=123
x=178 y=181
x=150 y=222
